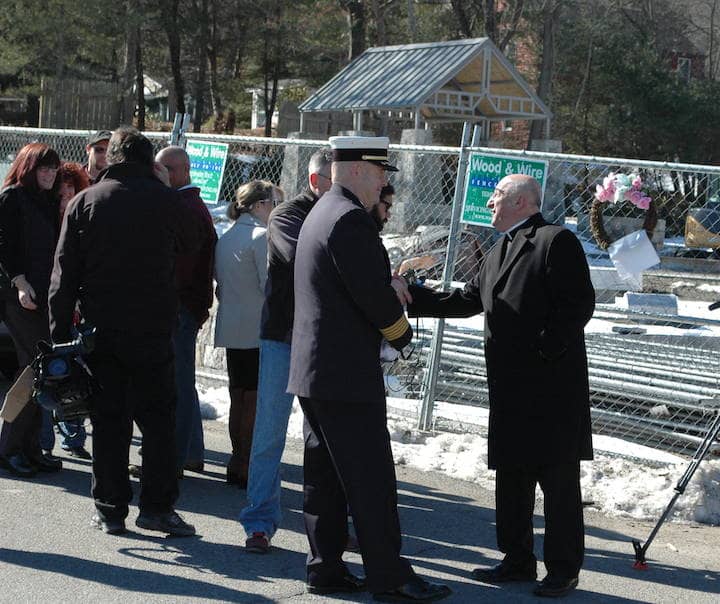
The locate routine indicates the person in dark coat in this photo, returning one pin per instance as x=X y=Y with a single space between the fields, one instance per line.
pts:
x=116 y=255
x=29 y=228
x=534 y=288
x=344 y=306
x=194 y=282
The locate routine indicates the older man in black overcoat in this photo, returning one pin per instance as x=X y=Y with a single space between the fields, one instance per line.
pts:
x=344 y=305
x=534 y=288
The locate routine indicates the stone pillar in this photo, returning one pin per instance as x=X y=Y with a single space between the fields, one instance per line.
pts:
x=293 y=178
x=418 y=186
x=553 y=207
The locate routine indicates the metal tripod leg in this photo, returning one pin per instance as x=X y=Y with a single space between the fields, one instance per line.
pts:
x=703 y=449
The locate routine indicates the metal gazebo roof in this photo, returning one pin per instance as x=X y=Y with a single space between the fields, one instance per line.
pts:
x=461 y=80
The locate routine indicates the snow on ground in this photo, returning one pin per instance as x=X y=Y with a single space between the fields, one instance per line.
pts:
x=624 y=479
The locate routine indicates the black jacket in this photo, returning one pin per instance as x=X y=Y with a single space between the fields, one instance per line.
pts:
x=282 y=236
x=344 y=304
x=536 y=304
x=116 y=254
x=29 y=227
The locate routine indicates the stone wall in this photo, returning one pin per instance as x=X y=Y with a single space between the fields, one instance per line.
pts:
x=210 y=361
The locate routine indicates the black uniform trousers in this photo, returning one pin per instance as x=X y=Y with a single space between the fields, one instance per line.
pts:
x=26 y=328
x=564 y=530
x=136 y=376
x=348 y=461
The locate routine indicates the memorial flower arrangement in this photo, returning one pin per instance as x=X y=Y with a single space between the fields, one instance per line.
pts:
x=618 y=188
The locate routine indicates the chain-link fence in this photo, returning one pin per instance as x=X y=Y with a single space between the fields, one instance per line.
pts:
x=653 y=362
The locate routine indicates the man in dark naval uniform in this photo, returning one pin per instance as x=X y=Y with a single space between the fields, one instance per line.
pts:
x=344 y=306
x=534 y=288
x=116 y=255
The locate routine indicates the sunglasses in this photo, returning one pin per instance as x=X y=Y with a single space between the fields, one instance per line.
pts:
x=387 y=204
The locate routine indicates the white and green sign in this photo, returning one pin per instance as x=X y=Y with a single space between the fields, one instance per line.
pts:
x=207 y=166
x=483 y=174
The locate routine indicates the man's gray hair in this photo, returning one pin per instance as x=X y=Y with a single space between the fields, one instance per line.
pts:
x=519 y=184
x=319 y=160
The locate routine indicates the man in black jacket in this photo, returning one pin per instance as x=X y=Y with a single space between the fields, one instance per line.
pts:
x=116 y=255
x=344 y=306
x=261 y=516
x=534 y=288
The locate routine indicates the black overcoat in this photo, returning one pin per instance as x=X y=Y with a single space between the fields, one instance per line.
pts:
x=344 y=304
x=116 y=254
x=536 y=301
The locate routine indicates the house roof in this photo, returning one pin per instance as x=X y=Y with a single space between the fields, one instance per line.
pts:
x=462 y=80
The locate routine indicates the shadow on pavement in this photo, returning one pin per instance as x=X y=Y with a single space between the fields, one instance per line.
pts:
x=130 y=579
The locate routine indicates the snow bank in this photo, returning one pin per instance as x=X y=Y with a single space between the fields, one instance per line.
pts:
x=625 y=479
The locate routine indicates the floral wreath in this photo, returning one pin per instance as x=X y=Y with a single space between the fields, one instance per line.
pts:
x=614 y=189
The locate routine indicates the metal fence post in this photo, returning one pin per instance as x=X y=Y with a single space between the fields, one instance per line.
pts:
x=430 y=381
x=180 y=126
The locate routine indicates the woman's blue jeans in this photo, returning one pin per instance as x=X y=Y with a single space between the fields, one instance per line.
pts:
x=274 y=404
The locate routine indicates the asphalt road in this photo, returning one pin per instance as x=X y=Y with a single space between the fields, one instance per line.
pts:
x=49 y=553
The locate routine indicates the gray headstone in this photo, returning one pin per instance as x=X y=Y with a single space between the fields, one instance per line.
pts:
x=666 y=304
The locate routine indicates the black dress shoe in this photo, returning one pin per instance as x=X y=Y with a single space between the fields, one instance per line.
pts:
x=17 y=465
x=46 y=462
x=346 y=584
x=551 y=587
x=79 y=452
x=415 y=590
x=505 y=573
x=111 y=527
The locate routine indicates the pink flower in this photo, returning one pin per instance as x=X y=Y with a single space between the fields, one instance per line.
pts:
x=644 y=203
x=637 y=182
x=609 y=182
x=602 y=194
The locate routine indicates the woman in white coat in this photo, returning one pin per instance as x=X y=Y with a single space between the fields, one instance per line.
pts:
x=241 y=272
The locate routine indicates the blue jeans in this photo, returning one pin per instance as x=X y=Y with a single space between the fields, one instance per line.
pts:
x=47 y=434
x=274 y=404
x=189 y=442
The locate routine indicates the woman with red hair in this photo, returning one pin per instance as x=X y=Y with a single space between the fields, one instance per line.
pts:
x=72 y=179
x=29 y=229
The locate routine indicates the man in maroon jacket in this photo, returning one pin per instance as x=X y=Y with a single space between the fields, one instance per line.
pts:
x=193 y=278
